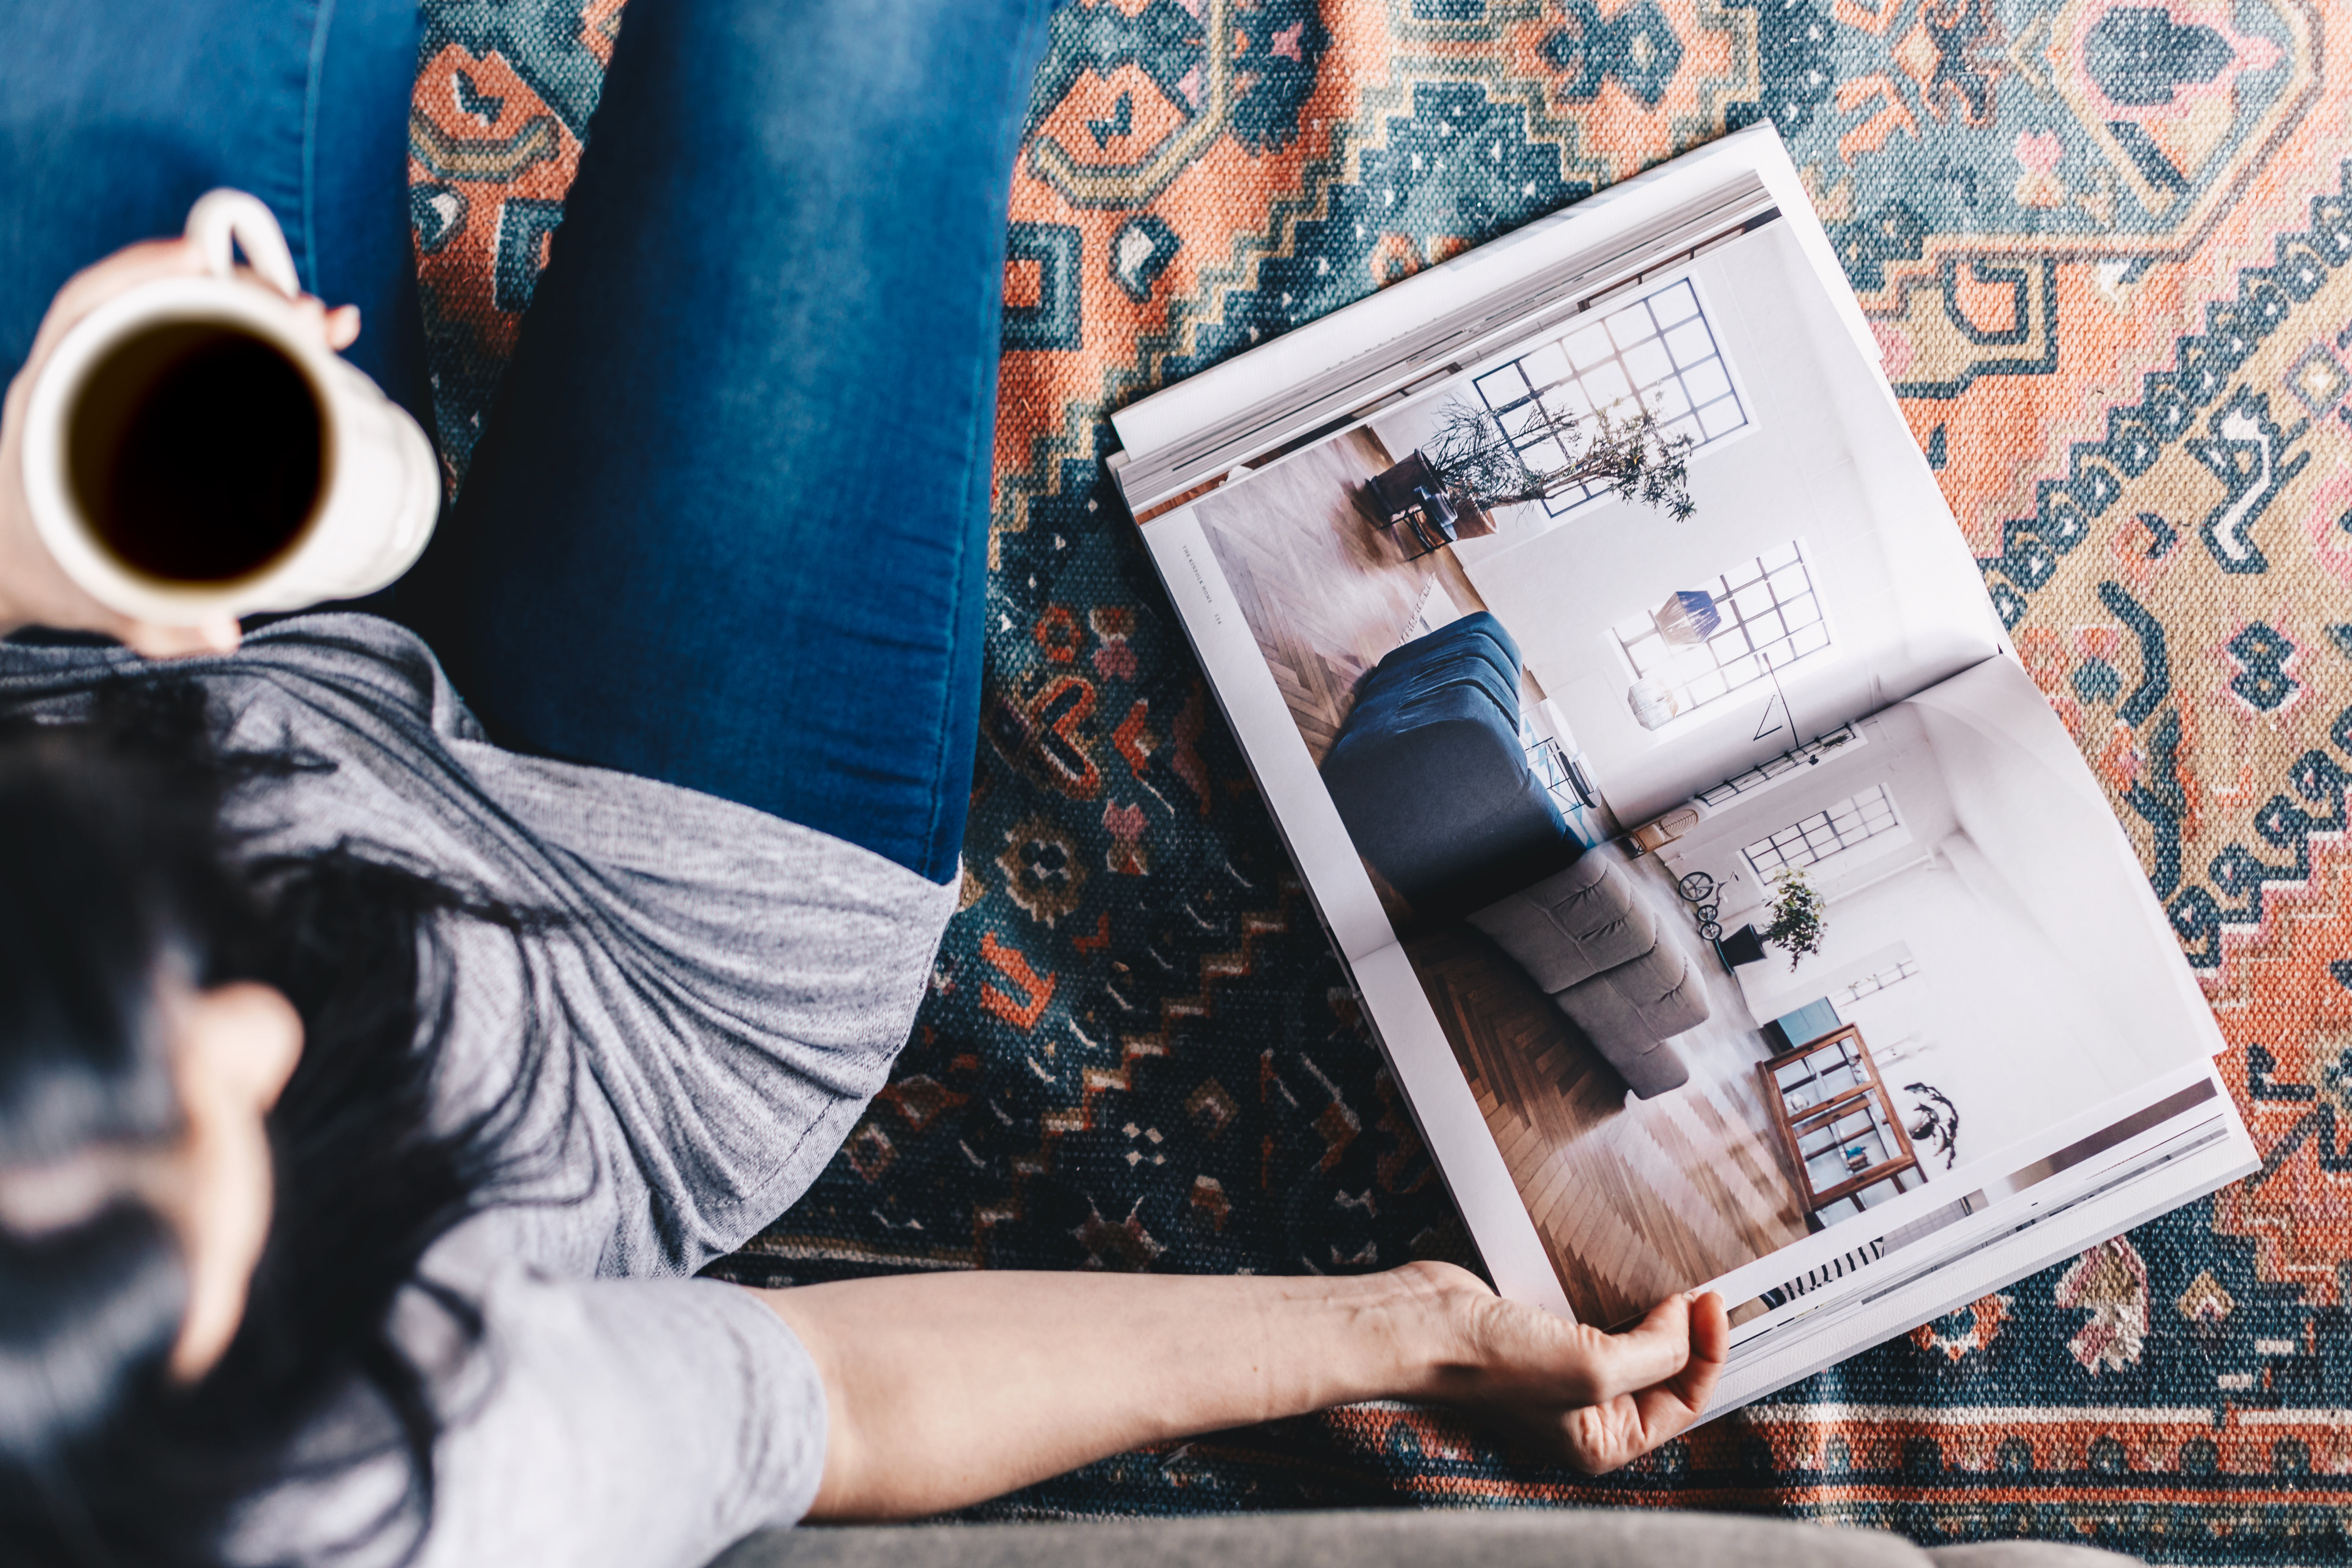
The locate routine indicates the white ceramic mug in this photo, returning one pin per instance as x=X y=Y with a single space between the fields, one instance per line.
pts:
x=379 y=485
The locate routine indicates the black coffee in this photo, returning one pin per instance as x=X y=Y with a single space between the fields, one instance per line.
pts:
x=196 y=450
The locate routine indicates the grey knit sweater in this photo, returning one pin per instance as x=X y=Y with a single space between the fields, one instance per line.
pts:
x=724 y=993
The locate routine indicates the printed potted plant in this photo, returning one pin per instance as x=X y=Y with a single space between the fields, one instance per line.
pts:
x=1796 y=929
x=1633 y=456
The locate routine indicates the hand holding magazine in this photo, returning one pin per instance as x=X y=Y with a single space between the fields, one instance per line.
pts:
x=1730 y=905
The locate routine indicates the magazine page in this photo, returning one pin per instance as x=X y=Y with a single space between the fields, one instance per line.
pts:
x=1972 y=984
x=1453 y=715
x=1633 y=1091
x=1972 y=988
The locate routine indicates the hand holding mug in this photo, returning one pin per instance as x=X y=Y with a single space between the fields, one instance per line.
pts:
x=183 y=446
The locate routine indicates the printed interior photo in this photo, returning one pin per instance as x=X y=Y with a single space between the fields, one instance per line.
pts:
x=1725 y=962
x=1868 y=969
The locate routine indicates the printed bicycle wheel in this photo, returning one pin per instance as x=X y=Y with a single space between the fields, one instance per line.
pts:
x=1696 y=886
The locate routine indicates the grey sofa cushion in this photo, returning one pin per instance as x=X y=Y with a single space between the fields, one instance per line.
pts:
x=1630 y=1010
x=1484 y=1538
x=1649 y=1070
x=1572 y=925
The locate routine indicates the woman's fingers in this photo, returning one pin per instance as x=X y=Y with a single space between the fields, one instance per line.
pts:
x=1650 y=1352
x=1572 y=1391
x=102 y=280
x=1615 y=1431
x=1668 y=1407
x=1602 y=1437
x=1710 y=1338
x=342 y=327
x=1527 y=1355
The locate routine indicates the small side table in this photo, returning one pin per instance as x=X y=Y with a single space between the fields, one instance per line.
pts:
x=1431 y=520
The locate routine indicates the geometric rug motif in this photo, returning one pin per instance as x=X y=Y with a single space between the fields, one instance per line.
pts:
x=2106 y=246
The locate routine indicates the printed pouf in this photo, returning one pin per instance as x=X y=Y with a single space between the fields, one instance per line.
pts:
x=2107 y=248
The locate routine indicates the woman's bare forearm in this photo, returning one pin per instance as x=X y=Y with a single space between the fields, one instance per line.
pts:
x=944 y=1389
x=947 y=1389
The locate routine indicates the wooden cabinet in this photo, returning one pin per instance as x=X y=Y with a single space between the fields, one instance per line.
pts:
x=1838 y=1126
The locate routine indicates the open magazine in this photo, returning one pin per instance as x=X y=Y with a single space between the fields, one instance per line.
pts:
x=1730 y=905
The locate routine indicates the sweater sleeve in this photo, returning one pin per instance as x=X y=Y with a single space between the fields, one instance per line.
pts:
x=600 y=1424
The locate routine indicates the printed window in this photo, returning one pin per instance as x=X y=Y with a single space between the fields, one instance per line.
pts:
x=1825 y=833
x=1760 y=616
x=1871 y=985
x=1661 y=348
x=1772 y=769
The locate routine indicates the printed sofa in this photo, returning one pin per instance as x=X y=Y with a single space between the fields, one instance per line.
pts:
x=1583 y=935
x=1433 y=785
x=1430 y=779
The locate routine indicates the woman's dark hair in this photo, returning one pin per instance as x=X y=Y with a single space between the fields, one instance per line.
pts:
x=114 y=870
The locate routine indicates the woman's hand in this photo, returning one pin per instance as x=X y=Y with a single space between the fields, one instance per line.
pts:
x=1568 y=1390
x=944 y=1389
x=33 y=591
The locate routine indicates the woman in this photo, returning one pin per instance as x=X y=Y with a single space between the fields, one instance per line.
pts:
x=373 y=1075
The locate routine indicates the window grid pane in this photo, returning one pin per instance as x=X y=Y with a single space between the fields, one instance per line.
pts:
x=1770 y=619
x=1825 y=833
x=1871 y=985
x=1773 y=768
x=1660 y=350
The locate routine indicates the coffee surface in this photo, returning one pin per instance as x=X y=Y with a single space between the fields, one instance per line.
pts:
x=196 y=452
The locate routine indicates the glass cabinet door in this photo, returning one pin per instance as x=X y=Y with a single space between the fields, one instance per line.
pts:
x=1818 y=1076
x=1852 y=1142
x=1850 y=1150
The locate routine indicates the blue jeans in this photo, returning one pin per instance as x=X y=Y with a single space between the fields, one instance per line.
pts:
x=727 y=524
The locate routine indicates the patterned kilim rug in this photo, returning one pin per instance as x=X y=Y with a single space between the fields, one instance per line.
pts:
x=2109 y=250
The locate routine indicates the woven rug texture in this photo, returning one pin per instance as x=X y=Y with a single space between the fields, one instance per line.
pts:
x=2107 y=248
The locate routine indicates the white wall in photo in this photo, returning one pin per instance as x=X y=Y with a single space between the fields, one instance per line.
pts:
x=1987 y=945
x=1829 y=462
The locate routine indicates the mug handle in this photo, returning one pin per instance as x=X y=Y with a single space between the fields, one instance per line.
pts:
x=225 y=221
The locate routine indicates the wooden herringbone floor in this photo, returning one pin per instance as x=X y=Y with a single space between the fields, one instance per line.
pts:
x=1325 y=592
x=1635 y=1198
